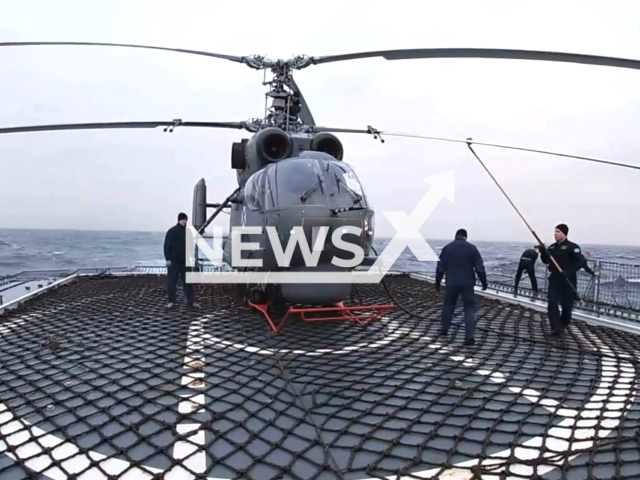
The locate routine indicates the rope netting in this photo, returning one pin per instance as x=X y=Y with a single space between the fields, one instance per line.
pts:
x=99 y=380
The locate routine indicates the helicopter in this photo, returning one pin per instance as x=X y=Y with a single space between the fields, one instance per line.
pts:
x=291 y=172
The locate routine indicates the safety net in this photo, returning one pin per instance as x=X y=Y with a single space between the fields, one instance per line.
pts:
x=98 y=379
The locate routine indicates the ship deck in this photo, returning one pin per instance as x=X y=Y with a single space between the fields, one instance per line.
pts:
x=99 y=380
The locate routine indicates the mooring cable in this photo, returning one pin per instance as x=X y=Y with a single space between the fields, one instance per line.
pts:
x=511 y=147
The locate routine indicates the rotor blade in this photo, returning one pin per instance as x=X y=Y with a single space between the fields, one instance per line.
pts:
x=339 y=130
x=115 y=125
x=181 y=50
x=305 y=112
x=511 y=147
x=483 y=53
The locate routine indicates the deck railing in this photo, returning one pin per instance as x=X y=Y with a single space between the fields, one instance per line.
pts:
x=614 y=291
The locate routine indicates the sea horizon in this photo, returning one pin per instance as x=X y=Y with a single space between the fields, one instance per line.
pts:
x=532 y=241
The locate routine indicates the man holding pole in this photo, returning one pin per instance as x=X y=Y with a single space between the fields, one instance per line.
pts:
x=562 y=281
x=564 y=260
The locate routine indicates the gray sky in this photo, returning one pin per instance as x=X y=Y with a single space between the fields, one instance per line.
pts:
x=139 y=180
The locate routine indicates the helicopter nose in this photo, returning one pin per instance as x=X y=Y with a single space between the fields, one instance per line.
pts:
x=337 y=228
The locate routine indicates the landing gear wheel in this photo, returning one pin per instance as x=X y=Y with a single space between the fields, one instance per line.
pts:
x=257 y=296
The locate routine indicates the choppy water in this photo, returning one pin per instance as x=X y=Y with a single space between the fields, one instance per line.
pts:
x=57 y=249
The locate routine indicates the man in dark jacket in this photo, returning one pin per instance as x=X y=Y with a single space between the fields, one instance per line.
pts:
x=585 y=265
x=295 y=106
x=562 y=286
x=175 y=255
x=460 y=262
x=527 y=262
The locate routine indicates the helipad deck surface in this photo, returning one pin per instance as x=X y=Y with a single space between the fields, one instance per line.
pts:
x=98 y=380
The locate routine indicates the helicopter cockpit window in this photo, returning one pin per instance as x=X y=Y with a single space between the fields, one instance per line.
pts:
x=296 y=182
x=347 y=190
x=254 y=191
x=310 y=181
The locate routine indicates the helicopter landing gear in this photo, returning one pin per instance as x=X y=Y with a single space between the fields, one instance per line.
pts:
x=362 y=315
x=256 y=295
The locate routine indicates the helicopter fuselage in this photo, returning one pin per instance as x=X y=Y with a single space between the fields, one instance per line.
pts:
x=311 y=192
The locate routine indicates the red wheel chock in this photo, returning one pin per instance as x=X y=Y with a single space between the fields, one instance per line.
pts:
x=363 y=315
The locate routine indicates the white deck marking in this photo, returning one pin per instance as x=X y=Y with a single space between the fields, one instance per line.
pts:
x=191 y=450
x=396 y=331
x=211 y=340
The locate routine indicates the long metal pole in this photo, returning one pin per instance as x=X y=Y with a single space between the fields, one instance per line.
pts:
x=553 y=260
x=218 y=210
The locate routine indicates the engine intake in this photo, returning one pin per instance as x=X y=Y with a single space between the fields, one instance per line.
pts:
x=266 y=146
x=238 y=154
x=272 y=144
x=328 y=143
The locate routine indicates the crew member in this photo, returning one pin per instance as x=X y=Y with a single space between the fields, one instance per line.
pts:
x=460 y=262
x=175 y=255
x=562 y=286
x=295 y=105
x=527 y=262
x=585 y=265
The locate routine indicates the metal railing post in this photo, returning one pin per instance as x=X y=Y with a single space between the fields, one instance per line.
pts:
x=597 y=292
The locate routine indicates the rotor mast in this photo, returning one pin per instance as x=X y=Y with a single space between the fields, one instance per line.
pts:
x=281 y=89
x=280 y=92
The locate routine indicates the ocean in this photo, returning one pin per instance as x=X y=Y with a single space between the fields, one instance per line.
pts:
x=22 y=250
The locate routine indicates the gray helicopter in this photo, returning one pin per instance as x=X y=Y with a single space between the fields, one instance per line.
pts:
x=290 y=179
x=291 y=172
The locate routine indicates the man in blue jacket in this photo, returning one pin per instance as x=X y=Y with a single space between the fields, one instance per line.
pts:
x=460 y=262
